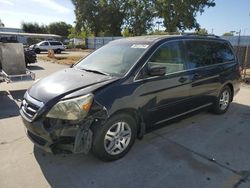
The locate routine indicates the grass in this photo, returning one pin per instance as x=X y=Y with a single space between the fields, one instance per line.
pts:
x=64 y=59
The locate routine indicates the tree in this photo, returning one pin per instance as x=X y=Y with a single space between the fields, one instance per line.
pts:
x=1 y=23
x=59 y=28
x=29 y=27
x=126 y=32
x=87 y=15
x=202 y=31
x=100 y=16
x=228 y=34
x=73 y=33
x=181 y=15
x=140 y=14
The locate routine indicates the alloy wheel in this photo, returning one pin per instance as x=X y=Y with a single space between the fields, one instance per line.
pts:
x=117 y=138
x=224 y=100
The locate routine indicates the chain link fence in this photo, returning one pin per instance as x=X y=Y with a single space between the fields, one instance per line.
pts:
x=97 y=42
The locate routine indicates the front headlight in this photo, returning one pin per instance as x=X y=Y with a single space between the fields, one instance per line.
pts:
x=72 y=109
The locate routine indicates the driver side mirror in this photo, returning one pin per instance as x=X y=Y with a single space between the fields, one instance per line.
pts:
x=157 y=70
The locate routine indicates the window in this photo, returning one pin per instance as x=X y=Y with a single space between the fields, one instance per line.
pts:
x=55 y=43
x=114 y=58
x=45 y=44
x=199 y=53
x=222 y=53
x=170 y=56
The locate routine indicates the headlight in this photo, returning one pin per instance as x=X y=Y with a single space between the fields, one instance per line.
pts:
x=72 y=109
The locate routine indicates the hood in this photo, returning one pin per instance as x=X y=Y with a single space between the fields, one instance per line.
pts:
x=65 y=82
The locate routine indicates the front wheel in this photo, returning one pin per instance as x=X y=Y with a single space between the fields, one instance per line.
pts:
x=37 y=51
x=223 y=101
x=115 y=138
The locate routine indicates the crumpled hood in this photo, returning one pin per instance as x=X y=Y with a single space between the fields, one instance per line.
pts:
x=64 y=82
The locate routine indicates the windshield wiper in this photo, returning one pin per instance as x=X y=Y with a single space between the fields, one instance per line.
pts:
x=96 y=71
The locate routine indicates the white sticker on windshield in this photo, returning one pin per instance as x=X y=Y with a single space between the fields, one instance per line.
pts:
x=139 y=46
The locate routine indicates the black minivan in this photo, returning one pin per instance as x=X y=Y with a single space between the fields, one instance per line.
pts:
x=127 y=88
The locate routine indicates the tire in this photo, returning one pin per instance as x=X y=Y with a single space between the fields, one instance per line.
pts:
x=222 y=102
x=58 y=51
x=109 y=143
x=38 y=51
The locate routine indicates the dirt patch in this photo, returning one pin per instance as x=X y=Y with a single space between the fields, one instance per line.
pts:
x=67 y=59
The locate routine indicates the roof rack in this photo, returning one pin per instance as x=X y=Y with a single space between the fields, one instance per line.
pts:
x=202 y=35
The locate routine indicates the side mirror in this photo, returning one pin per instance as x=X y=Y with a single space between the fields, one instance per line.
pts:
x=71 y=66
x=157 y=70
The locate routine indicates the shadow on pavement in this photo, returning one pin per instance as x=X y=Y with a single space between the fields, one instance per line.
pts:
x=35 y=67
x=8 y=101
x=176 y=155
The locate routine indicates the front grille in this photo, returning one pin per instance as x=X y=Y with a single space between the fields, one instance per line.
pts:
x=36 y=139
x=30 y=107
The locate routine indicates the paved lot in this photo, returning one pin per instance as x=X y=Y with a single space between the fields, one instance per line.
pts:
x=204 y=150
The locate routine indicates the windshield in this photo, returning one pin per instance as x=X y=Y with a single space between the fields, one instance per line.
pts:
x=113 y=59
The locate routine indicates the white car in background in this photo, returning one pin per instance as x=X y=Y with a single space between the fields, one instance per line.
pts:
x=43 y=46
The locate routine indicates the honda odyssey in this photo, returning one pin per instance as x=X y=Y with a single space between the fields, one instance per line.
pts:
x=127 y=88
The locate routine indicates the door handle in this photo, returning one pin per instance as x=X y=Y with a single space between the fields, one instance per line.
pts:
x=182 y=79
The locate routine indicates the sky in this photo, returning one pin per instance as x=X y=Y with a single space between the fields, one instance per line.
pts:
x=227 y=15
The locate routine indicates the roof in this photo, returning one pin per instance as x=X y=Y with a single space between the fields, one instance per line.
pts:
x=146 y=38
x=150 y=39
x=34 y=35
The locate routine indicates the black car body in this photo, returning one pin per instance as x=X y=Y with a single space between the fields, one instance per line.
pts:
x=171 y=76
x=30 y=56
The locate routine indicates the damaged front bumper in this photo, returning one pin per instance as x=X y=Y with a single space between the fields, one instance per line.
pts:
x=60 y=136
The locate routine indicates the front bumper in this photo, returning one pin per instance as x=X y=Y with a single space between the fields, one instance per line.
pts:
x=58 y=138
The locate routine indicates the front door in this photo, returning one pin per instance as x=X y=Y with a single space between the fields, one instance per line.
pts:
x=166 y=96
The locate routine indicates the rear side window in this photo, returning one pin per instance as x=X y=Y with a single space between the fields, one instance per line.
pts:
x=55 y=43
x=223 y=53
x=170 y=56
x=199 y=53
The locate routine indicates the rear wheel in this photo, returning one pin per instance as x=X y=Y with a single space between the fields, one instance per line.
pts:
x=223 y=101
x=115 y=138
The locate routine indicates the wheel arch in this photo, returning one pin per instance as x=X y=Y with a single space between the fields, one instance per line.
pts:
x=137 y=116
x=230 y=85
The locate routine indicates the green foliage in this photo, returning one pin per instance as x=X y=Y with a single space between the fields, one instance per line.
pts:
x=127 y=33
x=75 y=34
x=181 y=15
x=139 y=16
x=59 y=28
x=228 y=34
x=80 y=46
x=34 y=28
x=102 y=16
x=107 y=18
x=202 y=31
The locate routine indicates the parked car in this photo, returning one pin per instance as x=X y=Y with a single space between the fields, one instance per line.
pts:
x=127 y=88
x=30 y=56
x=44 y=46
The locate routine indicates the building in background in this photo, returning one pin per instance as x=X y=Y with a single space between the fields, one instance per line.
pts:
x=17 y=35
